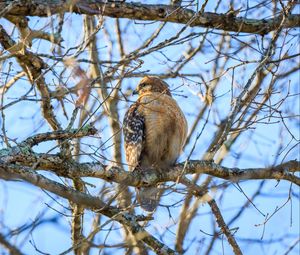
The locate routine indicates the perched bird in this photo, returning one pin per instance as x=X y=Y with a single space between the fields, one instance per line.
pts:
x=155 y=131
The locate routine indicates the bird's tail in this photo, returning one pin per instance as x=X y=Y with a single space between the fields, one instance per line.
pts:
x=149 y=197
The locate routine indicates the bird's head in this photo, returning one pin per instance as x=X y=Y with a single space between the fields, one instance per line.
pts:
x=152 y=84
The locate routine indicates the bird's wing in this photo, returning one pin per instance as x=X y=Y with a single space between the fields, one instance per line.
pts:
x=134 y=136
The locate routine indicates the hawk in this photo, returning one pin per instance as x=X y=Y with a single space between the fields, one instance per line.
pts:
x=155 y=130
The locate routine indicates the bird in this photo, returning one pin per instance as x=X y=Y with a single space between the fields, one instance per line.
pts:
x=155 y=131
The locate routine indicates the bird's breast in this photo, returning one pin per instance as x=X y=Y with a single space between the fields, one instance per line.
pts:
x=165 y=129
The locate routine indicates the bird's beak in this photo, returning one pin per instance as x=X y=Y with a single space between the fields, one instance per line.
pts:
x=135 y=92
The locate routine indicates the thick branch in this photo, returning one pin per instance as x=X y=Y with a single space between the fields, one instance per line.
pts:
x=147 y=177
x=157 y=12
x=151 y=177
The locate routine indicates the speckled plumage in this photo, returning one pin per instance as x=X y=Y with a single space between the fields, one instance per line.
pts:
x=155 y=131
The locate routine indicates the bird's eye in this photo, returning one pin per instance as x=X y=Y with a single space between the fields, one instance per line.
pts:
x=142 y=85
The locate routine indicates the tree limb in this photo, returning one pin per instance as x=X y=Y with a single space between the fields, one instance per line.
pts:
x=148 y=177
x=153 y=12
x=11 y=248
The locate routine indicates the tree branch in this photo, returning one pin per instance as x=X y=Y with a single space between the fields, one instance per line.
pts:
x=148 y=177
x=153 y=12
x=11 y=248
x=222 y=225
x=201 y=193
x=32 y=65
x=59 y=135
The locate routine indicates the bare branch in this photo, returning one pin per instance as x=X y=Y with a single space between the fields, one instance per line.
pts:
x=138 y=11
x=33 y=66
x=12 y=249
x=59 y=135
x=149 y=177
x=219 y=218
